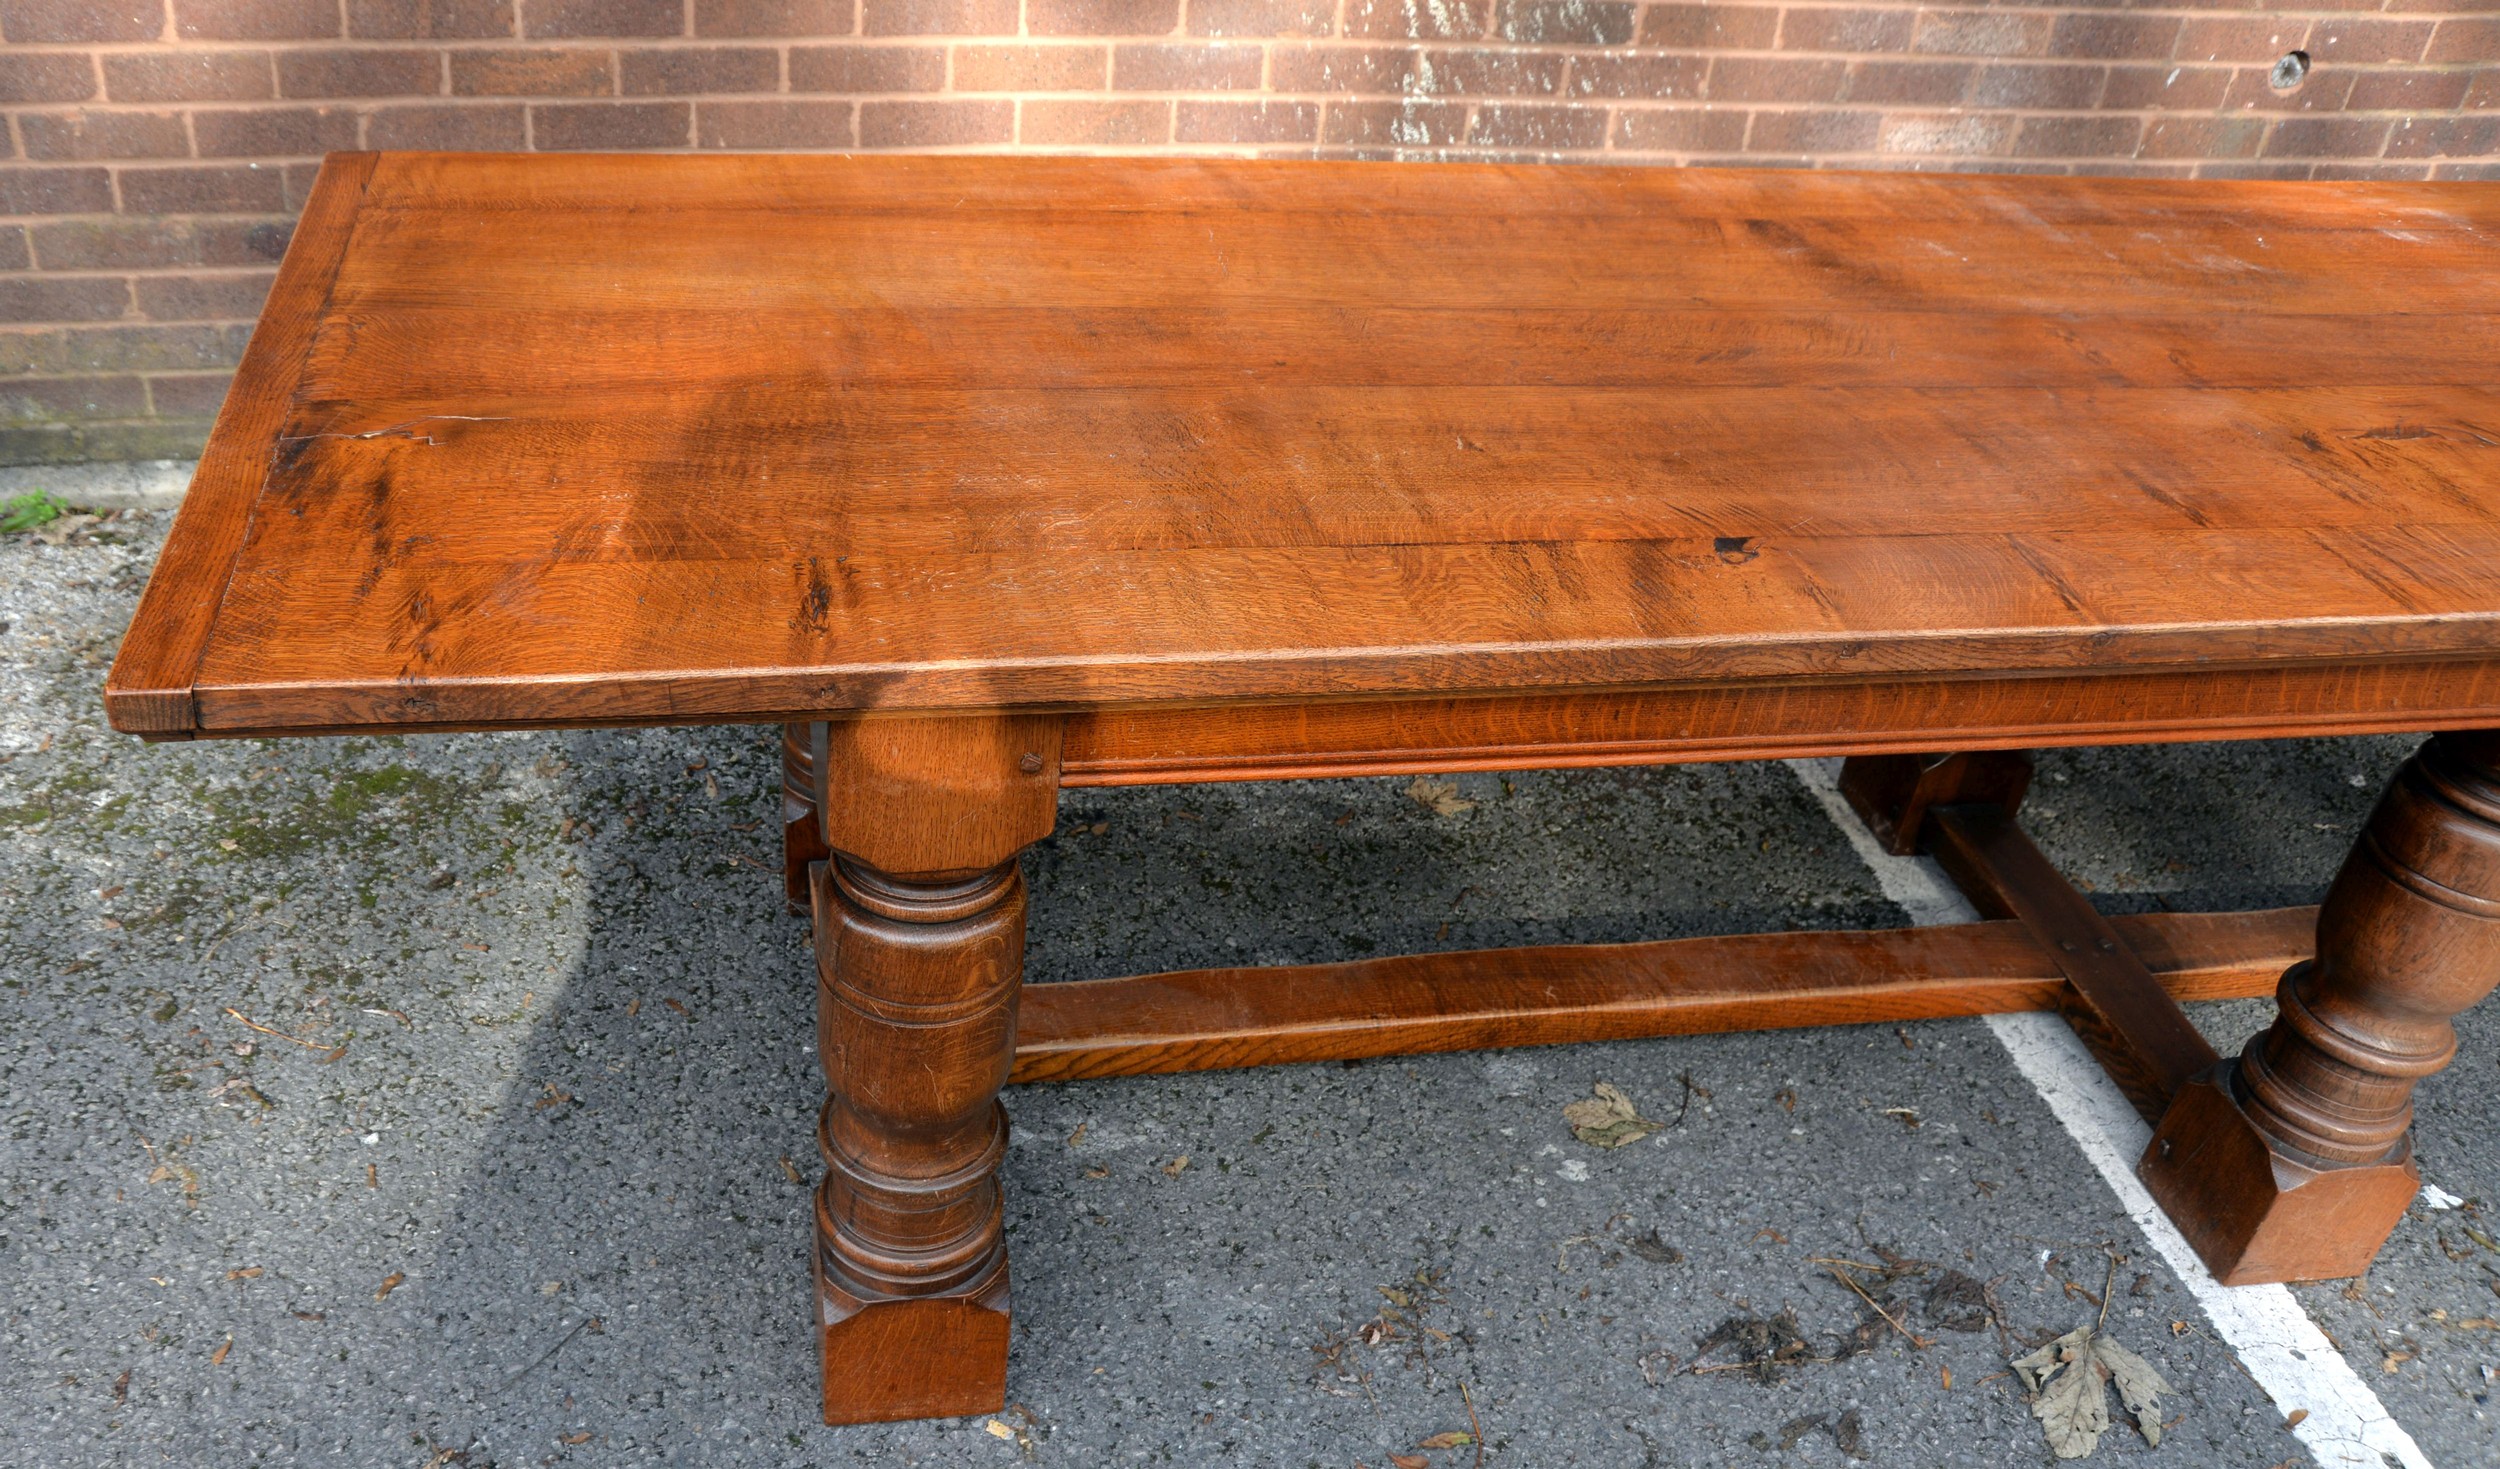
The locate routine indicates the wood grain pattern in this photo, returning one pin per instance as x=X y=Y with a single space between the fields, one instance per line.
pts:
x=2295 y=1161
x=2113 y=1001
x=935 y=797
x=916 y=1018
x=1211 y=1019
x=623 y=440
x=1764 y=719
x=150 y=688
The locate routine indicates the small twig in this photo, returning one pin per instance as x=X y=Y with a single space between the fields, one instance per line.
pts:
x=2107 y=1286
x=578 y=1328
x=1562 y=1252
x=1473 y=1426
x=1698 y=1368
x=280 y=1034
x=1996 y=1313
x=1852 y=1264
x=1920 y=1342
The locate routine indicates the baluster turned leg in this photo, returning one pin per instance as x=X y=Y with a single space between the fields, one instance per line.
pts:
x=2296 y=1161
x=920 y=951
x=802 y=835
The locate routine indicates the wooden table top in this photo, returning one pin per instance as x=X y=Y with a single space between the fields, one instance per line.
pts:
x=550 y=441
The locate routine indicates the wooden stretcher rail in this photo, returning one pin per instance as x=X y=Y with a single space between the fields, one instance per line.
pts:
x=1212 y=1019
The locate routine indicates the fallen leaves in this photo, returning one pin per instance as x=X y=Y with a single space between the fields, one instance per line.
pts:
x=1655 y=1250
x=790 y=1170
x=1840 y=1270
x=217 y=1358
x=390 y=1282
x=1173 y=1168
x=235 y=1088
x=170 y=1167
x=1404 y=1319
x=1793 y=1431
x=1608 y=1119
x=1762 y=1346
x=2065 y=1379
x=1850 y=1434
x=251 y=1024
x=1958 y=1302
x=68 y=530
x=1440 y=797
x=1456 y=1438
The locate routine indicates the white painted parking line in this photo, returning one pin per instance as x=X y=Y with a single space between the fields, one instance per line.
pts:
x=2283 y=1350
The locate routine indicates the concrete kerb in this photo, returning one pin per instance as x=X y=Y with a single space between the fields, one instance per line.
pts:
x=146 y=484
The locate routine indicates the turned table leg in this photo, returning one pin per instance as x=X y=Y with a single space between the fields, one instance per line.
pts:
x=2295 y=1161
x=919 y=953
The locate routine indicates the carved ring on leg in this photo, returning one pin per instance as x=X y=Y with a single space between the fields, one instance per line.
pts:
x=916 y=1014
x=2295 y=1162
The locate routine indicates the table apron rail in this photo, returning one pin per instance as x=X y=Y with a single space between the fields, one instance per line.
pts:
x=1534 y=731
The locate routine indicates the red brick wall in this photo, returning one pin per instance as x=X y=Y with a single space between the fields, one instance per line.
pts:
x=159 y=148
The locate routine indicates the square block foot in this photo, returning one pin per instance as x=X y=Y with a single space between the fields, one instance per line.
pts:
x=2256 y=1216
x=940 y=1357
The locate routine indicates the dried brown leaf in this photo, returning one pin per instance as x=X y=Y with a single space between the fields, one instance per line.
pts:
x=1608 y=1119
x=1440 y=797
x=1850 y=1434
x=2066 y=1377
x=2139 y=1386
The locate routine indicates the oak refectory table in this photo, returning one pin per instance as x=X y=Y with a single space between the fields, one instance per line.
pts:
x=988 y=476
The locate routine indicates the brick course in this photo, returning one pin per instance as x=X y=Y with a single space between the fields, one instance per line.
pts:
x=158 y=149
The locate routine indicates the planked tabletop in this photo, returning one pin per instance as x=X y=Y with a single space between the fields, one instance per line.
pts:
x=569 y=440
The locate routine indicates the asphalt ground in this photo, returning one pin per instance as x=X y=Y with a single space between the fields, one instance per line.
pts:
x=523 y=1177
